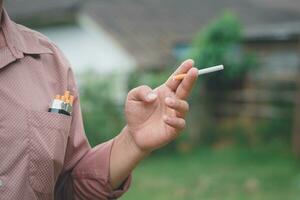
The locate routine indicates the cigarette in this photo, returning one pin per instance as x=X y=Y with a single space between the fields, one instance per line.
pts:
x=67 y=94
x=71 y=99
x=201 y=72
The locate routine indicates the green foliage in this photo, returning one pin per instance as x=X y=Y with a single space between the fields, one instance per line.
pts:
x=274 y=130
x=102 y=115
x=220 y=43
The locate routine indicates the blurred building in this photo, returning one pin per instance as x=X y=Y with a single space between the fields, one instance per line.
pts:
x=155 y=33
x=38 y=11
x=86 y=44
x=119 y=35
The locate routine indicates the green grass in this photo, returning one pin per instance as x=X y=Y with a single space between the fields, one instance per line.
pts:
x=232 y=174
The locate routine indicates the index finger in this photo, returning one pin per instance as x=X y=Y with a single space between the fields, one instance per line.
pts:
x=183 y=68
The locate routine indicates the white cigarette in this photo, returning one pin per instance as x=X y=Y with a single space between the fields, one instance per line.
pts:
x=201 y=72
x=210 y=69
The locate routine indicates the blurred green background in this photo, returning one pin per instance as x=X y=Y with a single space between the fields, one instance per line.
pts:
x=242 y=139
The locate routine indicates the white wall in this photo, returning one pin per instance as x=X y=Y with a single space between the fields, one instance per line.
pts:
x=88 y=46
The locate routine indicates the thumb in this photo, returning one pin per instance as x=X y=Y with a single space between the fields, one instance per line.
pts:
x=142 y=93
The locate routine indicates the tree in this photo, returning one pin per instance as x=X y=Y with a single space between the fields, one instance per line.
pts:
x=219 y=43
x=102 y=115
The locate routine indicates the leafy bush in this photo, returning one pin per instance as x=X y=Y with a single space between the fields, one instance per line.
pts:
x=218 y=43
x=102 y=114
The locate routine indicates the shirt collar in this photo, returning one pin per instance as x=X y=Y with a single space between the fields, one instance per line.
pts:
x=19 y=42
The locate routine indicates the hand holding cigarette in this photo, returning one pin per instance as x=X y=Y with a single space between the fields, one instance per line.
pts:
x=201 y=72
x=156 y=117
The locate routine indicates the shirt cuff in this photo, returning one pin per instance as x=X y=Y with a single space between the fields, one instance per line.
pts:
x=91 y=178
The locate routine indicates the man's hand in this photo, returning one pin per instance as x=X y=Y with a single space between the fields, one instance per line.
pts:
x=156 y=117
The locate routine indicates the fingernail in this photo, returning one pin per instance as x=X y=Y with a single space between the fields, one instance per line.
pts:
x=195 y=71
x=191 y=61
x=151 y=96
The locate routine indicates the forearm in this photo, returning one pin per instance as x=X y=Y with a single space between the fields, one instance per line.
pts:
x=125 y=156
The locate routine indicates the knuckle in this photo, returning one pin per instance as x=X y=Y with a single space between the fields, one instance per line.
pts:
x=139 y=89
x=132 y=91
x=144 y=87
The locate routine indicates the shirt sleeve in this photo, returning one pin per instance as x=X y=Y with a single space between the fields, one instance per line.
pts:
x=86 y=170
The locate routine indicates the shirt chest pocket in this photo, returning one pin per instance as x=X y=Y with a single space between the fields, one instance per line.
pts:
x=48 y=136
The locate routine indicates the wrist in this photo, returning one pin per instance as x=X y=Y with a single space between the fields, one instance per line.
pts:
x=126 y=140
x=125 y=156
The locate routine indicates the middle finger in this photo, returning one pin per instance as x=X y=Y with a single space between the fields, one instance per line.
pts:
x=180 y=106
